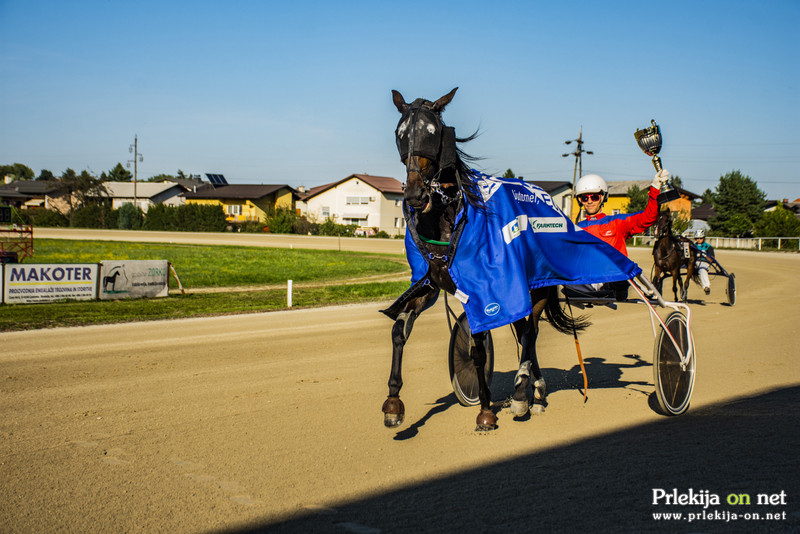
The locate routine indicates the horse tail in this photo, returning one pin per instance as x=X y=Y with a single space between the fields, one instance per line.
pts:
x=560 y=320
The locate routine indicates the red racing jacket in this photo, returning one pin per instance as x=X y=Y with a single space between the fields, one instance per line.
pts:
x=615 y=229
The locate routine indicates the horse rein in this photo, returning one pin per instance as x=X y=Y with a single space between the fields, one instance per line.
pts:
x=431 y=184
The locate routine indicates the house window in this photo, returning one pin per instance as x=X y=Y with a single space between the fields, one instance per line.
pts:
x=326 y=211
x=234 y=209
x=357 y=200
x=615 y=212
x=359 y=222
x=566 y=202
x=399 y=222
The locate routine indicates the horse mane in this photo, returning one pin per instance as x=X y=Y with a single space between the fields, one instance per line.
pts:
x=463 y=167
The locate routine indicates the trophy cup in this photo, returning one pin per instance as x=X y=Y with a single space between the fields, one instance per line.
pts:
x=649 y=140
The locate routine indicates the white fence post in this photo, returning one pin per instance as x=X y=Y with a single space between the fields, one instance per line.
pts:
x=289 y=294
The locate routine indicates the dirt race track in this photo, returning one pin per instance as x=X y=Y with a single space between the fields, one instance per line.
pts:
x=272 y=422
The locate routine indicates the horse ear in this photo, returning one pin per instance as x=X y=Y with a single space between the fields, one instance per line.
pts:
x=399 y=102
x=439 y=105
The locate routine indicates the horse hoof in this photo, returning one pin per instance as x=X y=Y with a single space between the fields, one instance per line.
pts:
x=539 y=389
x=486 y=420
x=391 y=420
x=519 y=408
x=537 y=409
x=394 y=412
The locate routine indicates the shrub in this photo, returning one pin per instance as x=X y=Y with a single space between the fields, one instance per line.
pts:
x=281 y=221
x=330 y=228
x=186 y=218
x=43 y=217
x=252 y=227
x=95 y=216
x=303 y=226
x=130 y=217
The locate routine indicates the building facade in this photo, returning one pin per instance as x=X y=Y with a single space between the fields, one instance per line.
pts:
x=373 y=203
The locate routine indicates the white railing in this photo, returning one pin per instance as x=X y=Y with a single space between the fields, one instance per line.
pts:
x=747 y=243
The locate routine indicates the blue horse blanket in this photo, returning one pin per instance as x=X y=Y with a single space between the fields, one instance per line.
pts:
x=521 y=241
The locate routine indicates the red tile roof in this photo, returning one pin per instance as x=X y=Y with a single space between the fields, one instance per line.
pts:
x=384 y=184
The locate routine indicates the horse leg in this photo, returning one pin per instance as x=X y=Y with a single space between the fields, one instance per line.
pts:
x=393 y=408
x=658 y=282
x=685 y=288
x=519 y=401
x=527 y=333
x=689 y=275
x=539 y=386
x=486 y=420
x=675 y=280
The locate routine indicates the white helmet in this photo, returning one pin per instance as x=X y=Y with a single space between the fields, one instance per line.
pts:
x=591 y=183
x=699 y=233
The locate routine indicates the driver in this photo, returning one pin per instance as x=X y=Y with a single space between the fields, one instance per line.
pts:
x=591 y=192
x=703 y=262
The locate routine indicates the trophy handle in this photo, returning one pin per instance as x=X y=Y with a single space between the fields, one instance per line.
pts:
x=657 y=163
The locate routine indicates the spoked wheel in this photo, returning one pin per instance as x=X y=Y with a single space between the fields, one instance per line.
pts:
x=731 y=291
x=673 y=384
x=463 y=374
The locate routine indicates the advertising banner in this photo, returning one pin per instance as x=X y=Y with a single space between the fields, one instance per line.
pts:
x=133 y=279
x=49 y=282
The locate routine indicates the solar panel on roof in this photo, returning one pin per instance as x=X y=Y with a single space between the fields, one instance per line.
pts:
x=216 y=179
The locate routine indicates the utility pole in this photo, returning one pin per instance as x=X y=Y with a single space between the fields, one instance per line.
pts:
x=134 y=149
x=578 y=163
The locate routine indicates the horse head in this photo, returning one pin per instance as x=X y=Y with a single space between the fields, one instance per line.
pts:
x=664 y=223
x=426 y=147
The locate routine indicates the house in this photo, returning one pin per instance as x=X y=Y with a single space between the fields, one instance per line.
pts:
x=793 y=206
x=560 y=191
x=25 y=194
x=618 y=198
x=374 y=203
x=247 y=202
x=143 y=194
x=703 y=212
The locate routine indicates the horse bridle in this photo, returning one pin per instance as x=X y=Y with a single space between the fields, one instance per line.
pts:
x=444 y=156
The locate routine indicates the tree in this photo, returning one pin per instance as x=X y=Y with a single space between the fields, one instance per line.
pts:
x=707 y=197
x=119 y=174
x=17 y=170
x=779 y=222
x=46 y=175
x=509 y=174
x=680 y=221
x=130 y=217
x=638 y=199
x=78 y=190
x=739 y=205
x=675 y=181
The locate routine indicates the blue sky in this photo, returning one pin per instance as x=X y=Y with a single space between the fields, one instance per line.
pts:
x=300 y=92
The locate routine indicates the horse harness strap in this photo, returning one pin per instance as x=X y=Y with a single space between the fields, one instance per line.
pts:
x=580 y=356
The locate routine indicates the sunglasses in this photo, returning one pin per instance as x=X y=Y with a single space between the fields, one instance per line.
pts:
x=593 y=197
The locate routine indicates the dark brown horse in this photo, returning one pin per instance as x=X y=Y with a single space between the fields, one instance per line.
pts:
x=670 y=254
x=438 y=183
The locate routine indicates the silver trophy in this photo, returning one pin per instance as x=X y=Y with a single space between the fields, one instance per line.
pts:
x=649 y=140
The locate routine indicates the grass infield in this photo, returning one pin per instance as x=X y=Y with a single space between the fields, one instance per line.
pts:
x=320 y=278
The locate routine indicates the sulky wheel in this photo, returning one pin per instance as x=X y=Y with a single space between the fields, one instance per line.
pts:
x=463 y=375
x=673 y=383
x=731 y=290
